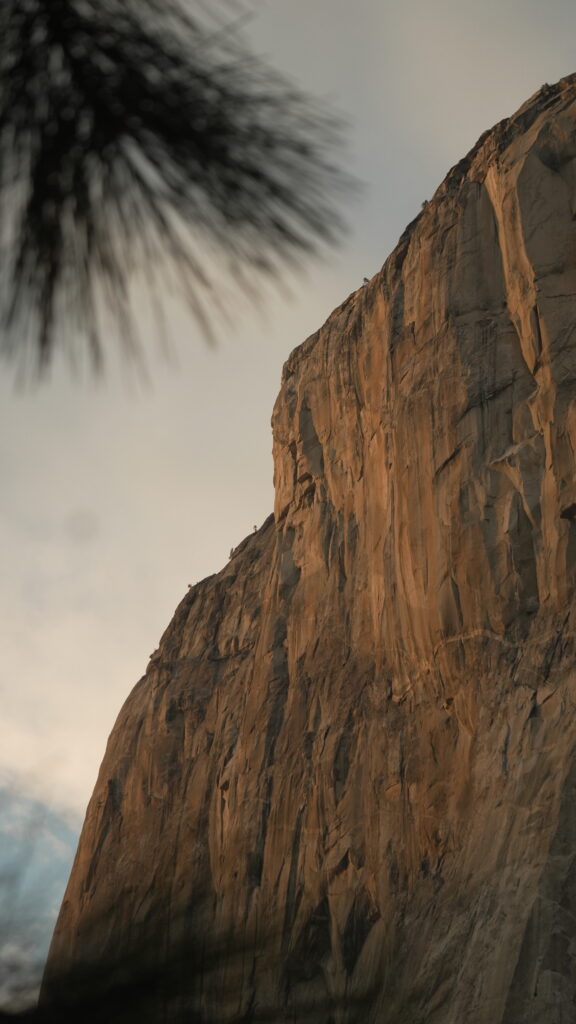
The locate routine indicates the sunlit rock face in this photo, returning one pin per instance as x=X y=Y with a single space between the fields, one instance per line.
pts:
x=345 y=789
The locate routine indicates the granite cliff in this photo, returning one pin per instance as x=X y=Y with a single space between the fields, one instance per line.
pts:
x=345 y=789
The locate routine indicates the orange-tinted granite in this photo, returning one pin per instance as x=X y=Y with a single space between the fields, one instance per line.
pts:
x=345 y=789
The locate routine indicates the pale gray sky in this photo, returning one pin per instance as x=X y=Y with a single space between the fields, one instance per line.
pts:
x=117 y=494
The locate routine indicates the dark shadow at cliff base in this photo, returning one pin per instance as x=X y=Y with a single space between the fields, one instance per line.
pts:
x=132 y=1006
x=200 y=983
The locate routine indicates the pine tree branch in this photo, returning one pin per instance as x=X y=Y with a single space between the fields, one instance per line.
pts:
x=135 y=136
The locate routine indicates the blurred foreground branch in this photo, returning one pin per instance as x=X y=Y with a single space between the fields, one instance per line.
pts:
x=137 y=136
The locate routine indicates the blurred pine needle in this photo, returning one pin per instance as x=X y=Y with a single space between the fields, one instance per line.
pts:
x=136 y=135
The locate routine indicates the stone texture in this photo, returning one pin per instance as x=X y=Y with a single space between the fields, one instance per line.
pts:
x=345 y=788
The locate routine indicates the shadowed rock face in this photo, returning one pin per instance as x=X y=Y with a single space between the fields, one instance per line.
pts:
x=345 y=788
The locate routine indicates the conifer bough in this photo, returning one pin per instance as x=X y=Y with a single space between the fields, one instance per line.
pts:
x=135 y=134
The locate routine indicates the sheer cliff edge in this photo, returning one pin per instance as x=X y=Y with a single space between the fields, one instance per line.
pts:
x=345 y=789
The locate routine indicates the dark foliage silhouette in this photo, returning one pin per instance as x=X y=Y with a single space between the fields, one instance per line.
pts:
x=136 y=135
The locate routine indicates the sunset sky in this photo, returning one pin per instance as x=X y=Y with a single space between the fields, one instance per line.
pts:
x=119 y=492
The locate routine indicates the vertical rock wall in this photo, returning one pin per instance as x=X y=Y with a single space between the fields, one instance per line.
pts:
x=345 y=788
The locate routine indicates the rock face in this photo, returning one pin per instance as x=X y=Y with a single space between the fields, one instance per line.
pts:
x=345 y=789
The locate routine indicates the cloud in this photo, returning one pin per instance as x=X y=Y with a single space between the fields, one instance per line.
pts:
x=36 y=850
x=20 y=975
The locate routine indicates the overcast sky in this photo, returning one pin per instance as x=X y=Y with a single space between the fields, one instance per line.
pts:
x=118 y=493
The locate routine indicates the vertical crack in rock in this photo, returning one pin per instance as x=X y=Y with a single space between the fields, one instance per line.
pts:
x=341 y=765
x=311 y=447
x=361 y=919
x=313 y=946
x=293 y=890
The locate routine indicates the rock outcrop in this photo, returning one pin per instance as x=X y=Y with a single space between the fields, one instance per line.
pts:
x=345 y=788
